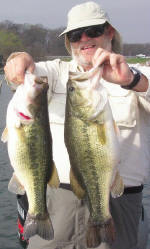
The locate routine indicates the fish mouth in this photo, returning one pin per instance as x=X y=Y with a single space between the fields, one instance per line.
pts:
x=41 y=80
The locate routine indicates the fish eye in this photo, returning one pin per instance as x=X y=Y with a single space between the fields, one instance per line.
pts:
x=71 y=88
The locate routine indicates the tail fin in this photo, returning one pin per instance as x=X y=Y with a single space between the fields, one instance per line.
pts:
x=41 y=226
x=100 y=233
x=93 y=238
x=107 y=232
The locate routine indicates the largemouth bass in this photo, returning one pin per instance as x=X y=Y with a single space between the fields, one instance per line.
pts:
x=93 y=148
x=30 y=151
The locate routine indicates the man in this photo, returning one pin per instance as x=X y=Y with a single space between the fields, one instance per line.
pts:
x=92 y=40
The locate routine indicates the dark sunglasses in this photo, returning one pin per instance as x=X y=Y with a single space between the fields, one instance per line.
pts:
x=90 y=31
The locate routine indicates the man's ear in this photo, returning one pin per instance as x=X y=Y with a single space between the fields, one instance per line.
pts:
x=110 y=31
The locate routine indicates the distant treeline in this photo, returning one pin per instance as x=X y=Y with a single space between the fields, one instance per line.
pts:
x=41 y=42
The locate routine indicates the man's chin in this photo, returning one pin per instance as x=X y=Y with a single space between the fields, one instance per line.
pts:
x=82 y=61
x=86 y=64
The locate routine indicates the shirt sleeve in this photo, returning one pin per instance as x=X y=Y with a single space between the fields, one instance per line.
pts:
x=51 y=69
x=144 y=97
x=146 y=71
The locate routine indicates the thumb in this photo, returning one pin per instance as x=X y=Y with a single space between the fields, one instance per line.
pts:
x=31 y=68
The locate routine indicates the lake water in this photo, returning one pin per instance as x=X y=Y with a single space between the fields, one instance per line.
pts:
x=8 y=209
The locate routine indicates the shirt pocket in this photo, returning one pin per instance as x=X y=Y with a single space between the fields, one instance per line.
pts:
x=124 y=108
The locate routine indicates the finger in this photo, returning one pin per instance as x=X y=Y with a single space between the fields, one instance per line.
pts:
x=14 y=73
x=31 y=68
x=113 y=61
x=97 y=55
x=102 y=58
x=17 y=65
x=17 y=70
x=120 y=68
x=13 y=70
x=9 y=72
x=29 y=64
x=116 y=60
x=98 y=52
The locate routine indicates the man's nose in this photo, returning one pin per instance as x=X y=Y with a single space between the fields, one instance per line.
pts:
x=84 y=37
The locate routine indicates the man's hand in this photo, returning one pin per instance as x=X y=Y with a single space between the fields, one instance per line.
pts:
x=16 y=66
x=115 y=68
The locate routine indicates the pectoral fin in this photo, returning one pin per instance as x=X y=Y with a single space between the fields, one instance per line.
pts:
x=54 y=179
x=4 y=137
x=117 y=187
x=15 y=186
x=76 y=187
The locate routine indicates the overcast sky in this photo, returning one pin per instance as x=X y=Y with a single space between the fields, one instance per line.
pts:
x=130 y=17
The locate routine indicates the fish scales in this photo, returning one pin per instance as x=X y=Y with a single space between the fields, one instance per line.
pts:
x=85 y=147
x=31 y=146
x=92 y=144
x=30 y=152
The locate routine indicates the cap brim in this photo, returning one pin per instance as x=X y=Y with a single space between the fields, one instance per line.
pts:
x=84 y=24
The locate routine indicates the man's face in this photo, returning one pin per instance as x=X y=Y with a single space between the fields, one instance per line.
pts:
x=84 y=49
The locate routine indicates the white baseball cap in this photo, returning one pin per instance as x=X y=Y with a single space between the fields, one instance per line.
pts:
x=89 y=14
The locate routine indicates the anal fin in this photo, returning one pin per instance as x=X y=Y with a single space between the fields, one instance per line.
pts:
x=76 y=187
x=15 y=186
x=54 y=179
